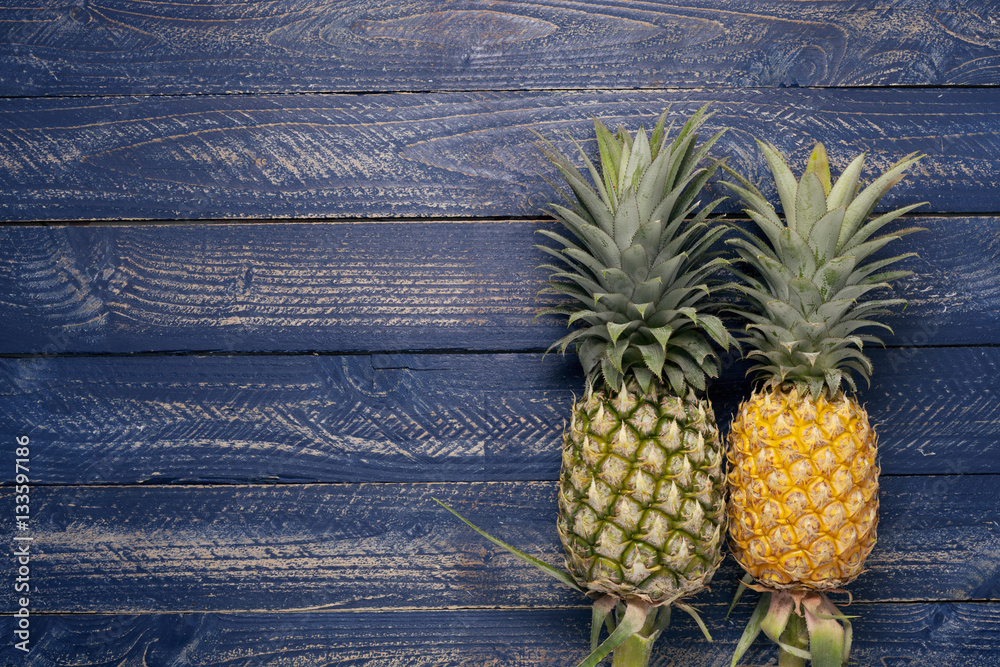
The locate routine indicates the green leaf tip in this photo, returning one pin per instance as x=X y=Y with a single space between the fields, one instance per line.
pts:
x=697 y=619
x=601 y=616
x=819 y=165
x=740 y=590
x=752 y=629
x=531 y=560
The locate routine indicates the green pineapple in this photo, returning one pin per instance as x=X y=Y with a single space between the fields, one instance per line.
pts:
x=641 y=491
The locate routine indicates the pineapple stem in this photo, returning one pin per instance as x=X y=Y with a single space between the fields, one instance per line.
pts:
x=634 y=651
x=796 y=635
x=637 y=649
x=788 y=660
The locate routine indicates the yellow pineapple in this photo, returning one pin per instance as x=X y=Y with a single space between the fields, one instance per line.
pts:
x=812 y=523
x=803 y=469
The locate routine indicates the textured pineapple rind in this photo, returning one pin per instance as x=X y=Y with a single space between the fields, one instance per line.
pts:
x=803 y=489
x=642 y=494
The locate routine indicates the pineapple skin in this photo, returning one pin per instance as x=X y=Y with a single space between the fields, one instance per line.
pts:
x=642 y=494
x=803 y=489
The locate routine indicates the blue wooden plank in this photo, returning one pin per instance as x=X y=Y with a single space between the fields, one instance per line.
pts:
x=394 y=418
x=459 y=154
x=367 y=287
x=272 y=287
x=890 y=635
x=289 y=418
x=138 y=549
x=120 y=47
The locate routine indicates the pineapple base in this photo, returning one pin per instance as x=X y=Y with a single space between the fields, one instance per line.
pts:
x=642 y=494
x=803 y=489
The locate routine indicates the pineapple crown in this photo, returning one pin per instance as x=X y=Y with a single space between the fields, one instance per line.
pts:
x=638 y=268
x=804 y=291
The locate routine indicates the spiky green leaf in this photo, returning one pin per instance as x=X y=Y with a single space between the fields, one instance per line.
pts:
x=819 y=165
x=810 y=203
x=861 y=206
x=784 y=179
x=554 y=572
x=752 y=629
x=846 y=187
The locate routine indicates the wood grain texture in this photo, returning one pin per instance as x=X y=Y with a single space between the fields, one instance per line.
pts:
x=273 y=287
x=290 y=418
x=117 y=47
x=238 y=419
x=460 y=154
x=367 y=287
x=392 y=418
x=886 y=635
x=390 y=547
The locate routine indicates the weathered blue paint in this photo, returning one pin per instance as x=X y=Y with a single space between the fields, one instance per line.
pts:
x=122 y=48
x=445 y=155
x=377 y=287
x=385 y=547
x=320 y=314
x=909 y=634
x=412 y=417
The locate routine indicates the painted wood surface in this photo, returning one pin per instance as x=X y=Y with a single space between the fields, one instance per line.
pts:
x=909 y=635
x=318 y=314
x=377 y=287
x=445 y=155
x=120 y=47
x=384 y=547
x=427 y=417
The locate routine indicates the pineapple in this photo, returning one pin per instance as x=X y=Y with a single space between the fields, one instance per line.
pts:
x=641 y=489
x=803 y=469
